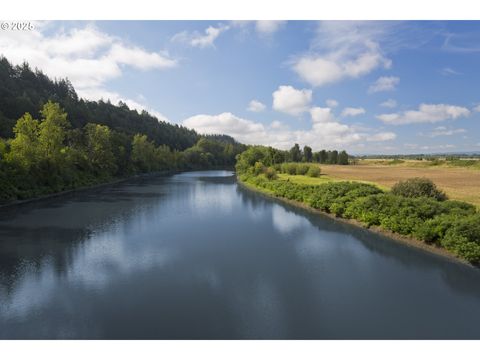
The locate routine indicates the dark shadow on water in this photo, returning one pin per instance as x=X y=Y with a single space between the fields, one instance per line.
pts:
x=458 y=276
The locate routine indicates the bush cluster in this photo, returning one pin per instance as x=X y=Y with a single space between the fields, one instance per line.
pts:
x=418 y=187
x=311 y=170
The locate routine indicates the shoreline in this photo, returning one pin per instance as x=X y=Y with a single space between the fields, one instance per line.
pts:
x=84 y=188
x=405 y=240
x=100 y=185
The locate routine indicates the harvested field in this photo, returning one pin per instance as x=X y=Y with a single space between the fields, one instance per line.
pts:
x=459 y=183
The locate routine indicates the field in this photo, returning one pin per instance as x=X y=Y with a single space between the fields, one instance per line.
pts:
x=460 y=183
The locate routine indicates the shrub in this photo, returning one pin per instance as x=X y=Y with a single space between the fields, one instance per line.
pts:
x=302 y=169
x=258 y=168
x=270 y=173
x=289 y=168
x=313 y=171
x=418 y=187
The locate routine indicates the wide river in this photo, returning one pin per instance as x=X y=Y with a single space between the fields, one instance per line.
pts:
x=195 y=256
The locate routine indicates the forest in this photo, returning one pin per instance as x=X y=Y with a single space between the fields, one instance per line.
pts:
x=51 y=141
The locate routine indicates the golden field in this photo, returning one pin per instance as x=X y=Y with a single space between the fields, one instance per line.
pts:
x=459 y=183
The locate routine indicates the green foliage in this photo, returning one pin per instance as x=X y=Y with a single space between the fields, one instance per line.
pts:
x=270 y=173
x=302 y=169
x=313 y=171
x=99 y=148
x=418 y=187
x=415 y=209
x=24 y=147
x=48 y=156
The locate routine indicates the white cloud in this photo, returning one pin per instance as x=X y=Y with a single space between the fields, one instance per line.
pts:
x=342 y=50
x=321 y=115
x=87 y=56
x=426 y=113
x=476 y=108
x=325 y=131
x=256 y=106
x=331 y=103
x=429 y=147
x=444 y=131
x=292 y=101
x=196 y=39
x=351 y=111
x=139 y=58
x=390 y=103
x=384 y=83
x=449 y=72
x=382 y=136
x=263 y=28
x=223 y=123
x=269 y=27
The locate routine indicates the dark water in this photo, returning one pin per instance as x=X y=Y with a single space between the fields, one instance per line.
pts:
x=194 y=256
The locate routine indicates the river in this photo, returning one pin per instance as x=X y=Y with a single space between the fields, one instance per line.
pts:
x=196 y=256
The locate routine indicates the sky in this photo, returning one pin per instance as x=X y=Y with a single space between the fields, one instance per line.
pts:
x=367 y=87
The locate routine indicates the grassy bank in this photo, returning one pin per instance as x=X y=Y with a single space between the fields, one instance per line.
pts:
x=427 y=218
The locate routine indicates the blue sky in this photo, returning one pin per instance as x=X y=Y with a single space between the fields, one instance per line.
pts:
x=367 y=87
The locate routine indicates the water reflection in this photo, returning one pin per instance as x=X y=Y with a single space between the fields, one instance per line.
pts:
x=194 y=256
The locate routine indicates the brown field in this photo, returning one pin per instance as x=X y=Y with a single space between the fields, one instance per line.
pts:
x=459 y=183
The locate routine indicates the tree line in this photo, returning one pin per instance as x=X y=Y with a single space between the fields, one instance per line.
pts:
x=295 y=154
x=48 y=155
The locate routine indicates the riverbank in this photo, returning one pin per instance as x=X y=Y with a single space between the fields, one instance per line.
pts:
x=84 y=188
x=406 y=240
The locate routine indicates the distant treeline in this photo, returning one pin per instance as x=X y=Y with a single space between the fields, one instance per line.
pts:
x=296 y=154
x=426 y=157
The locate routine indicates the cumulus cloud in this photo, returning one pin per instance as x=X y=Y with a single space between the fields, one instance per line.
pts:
x=325 y=130
x=331 y=103
x=384 y=83
x=256 y=106
x=426 y=113
x=342 y=50
x=476 y=108
x=262 y=27
x=269 y=27
x=351 y=111
x=200 y=40
x=390 y=103
x=291 y=101
x=87 y=56
x=321 y=115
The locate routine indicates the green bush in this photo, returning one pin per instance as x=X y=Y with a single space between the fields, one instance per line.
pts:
x=302 y=169
x=313 y=171
x=270 y=173
x=418 y=187
x=289 y=168
x=258 y=168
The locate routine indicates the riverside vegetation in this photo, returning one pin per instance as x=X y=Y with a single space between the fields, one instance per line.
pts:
x=52 y=141
x=413 y=207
